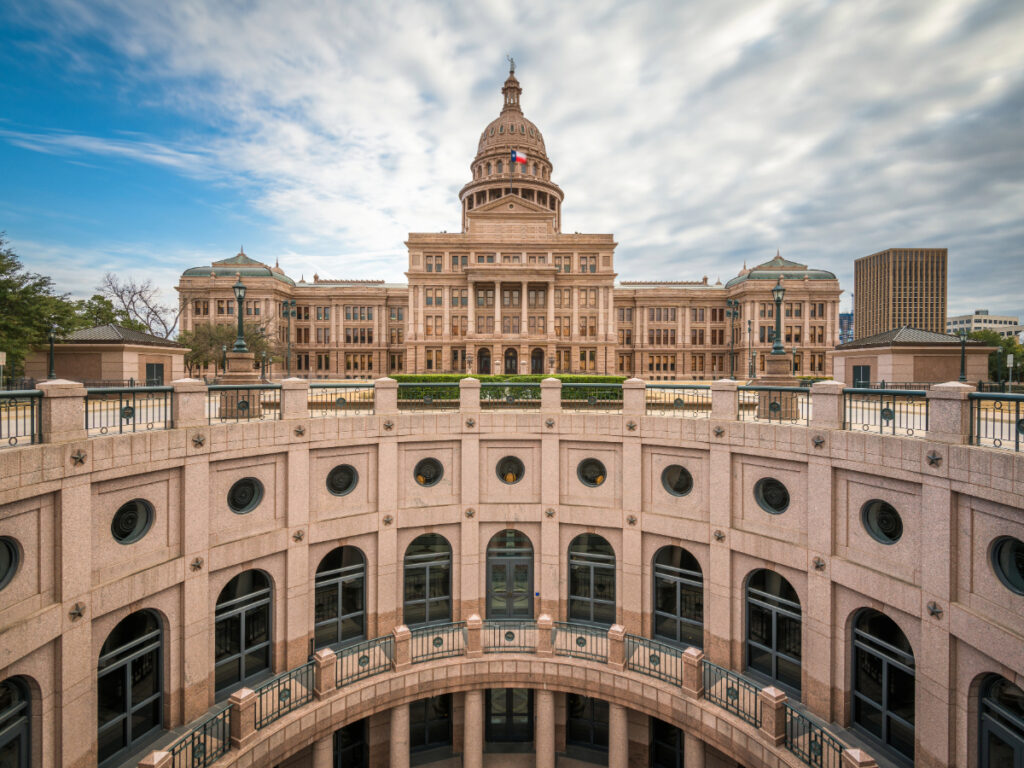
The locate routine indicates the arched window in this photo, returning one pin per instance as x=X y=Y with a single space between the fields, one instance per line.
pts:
x=534 y=169
x=15 y=722
x=591 y=580
x=883 y=682
x=340 y=598
x=678 y=597
x=489 y=171
x=242 y=631
x=509 y=576
x=773 y=629
x=500 y=166
x=129 y=688
x=428 y=581
x=1001 y=724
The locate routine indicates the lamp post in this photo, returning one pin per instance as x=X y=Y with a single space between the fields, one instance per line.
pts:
x=288 y=308
x=750 y=349
x=469 y=362
x=263 y=365
x=778 y=292
x=53 y=335
x=732 y=313
x=963 y=355
x=224 y=358
x=239 y=289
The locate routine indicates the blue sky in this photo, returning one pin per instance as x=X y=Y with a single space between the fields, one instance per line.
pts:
x=148 y=137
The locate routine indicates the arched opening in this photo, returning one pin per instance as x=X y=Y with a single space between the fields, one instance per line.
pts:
x=591 y=580
x=1000 y=723
x=511 y=360
x=242 y=632
x=483 y=361
x=15 y=723
x=678 y=597
x=428 y=581
x=883 y=682
x=537 y=361
x=339 y=611
x=667 y=745
x=774 y=624
x=509 y=576
x=129 y=687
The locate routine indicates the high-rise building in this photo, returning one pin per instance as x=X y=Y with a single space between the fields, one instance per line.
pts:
x=898 y=287
x=845 y=327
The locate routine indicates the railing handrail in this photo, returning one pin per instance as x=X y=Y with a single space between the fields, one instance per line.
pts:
x=602 y=385
x=894 y=392
x=1011 y=396
x=126 y=390
x=411 y=384
x=226 y=387
x=760 y=388
x=340 y=385
x=10 y=393
x=678 y=386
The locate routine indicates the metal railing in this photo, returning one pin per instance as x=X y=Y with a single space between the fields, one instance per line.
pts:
x=778 y=405
x=362 y=660
x=245 y=402
x=21 y=417
x=886 y=411
x=337 y=399
x=654 y=658
x=598 y=398
x=428 y=396
x=110 y=410
x=438 y=641
x=579 y=641
x=509 y=636
x=284 y=693
x=691 y=400
x=732 y=693
x=204 y=742
x=997 y=421
x=901 y=385
x=496 y=395
x=810 y=742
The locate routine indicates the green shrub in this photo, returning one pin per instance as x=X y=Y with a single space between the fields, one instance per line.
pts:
x=445 y=386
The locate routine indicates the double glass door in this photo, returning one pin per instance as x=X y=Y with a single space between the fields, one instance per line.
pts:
x=510 y=588
x=509 y=715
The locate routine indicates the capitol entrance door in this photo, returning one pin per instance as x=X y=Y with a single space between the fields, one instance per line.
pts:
x=537 y=361
x=484 y=361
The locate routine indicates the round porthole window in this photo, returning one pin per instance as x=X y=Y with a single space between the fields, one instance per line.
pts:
x=510 y=470
x=677 y=480
x=10 y=559
x=591 y=472
x=428 y=472
x=771 y=495
x=882 y=521
x=342 y=479
x=131 y=521
x=1007 y=561
x=245 y=495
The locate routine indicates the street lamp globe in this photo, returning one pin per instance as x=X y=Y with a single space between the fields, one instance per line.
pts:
x=778 y=292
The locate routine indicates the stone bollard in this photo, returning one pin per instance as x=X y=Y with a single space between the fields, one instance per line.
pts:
x=773 y=714
x=949 y=413
x=403 y=647
x=294 y=399
x=724 y=400
x=550 y=395
x=617 y=647
x=469 y=395
x=325 y=672
x=188 y=403
x=827 y=405
x=634 y=394
x=693 y=672
x=544 y=628
x=474 y=636
x=63 y=411
x=385 y=396
x=858 y=758
x=156 y=759
x=243 y=717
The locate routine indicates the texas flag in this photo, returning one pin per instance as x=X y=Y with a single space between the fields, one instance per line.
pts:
x=518 y=157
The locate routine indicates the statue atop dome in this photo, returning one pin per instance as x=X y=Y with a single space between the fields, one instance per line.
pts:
x=511 y=64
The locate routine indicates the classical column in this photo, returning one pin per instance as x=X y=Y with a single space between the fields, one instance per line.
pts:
x=551 y=310
x=544 y=728
x=472 y=306
x=473 y=730
x=693 y=751
x=323 y=752
x=618 y=737
x=446 y=297
x=400 y=736
x=497 y=309
x=523 y=307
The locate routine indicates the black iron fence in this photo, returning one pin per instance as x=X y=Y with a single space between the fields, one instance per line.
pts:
x=732 y=693
x=997 y=420
x=810 y=742
x=579 y=641
x=114 y=410
x=20 y=417
x=691 y=400
x=366 y=659
x=204 y=742
x=886 y=411
x=497 y=395
x=338 y=399
x=438 y=641
x=428 y=396
x=654 y=658
x=779 y=405
x=245 y=402
x=284 y=693
x=509 y=636
x=599 y=398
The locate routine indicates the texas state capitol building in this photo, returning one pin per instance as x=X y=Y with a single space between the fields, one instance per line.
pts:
x=512 y=293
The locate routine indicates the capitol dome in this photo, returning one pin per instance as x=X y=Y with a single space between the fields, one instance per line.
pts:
x=511 y=129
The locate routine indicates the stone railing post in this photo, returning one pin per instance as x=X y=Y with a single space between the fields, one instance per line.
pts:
x=724 y=400
x=243 y=717
x=325 y=672
x=634 y=394
x=294 y=398
x=773 y=714
x=188 y=403
x=385 y=396
x=858 y=758
x=550 y=395
x=617 y=647
x=949 y=413
x=403 y=647
x=693 y=672
x=156 y=759
x=474 y=636
x=63 y=411
x=469 y=395
x=827 y=405
x=544 y=627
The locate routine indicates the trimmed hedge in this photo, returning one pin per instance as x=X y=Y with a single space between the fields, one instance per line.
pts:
x=515 y=378
x=445 y=386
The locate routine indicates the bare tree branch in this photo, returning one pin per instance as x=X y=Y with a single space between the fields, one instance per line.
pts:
x=141 y=301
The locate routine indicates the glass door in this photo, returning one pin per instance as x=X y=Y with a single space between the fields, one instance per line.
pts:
x=509 y=716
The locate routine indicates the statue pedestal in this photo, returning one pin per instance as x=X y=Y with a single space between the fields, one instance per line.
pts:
x=778 y=406
x=240 y=404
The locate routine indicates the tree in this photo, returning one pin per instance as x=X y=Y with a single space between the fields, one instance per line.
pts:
x=997 y=369
x=140 y=301
x=206 y=343
x=99 y=310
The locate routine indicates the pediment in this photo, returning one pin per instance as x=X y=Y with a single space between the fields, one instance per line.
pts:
x=510 y=205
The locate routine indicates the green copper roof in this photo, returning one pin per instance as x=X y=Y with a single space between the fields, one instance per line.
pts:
x=780 y=268
x=239 y=264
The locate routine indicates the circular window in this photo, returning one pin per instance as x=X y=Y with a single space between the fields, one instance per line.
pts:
x=245 y=495
x=510 y=470
x=10 y=558
x=342 y=479
x=428 y=472
x=882 y=521
x=677 y=480
x=771 y=495
x=1007 y=561
x=131 y=521
x=591 y=472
